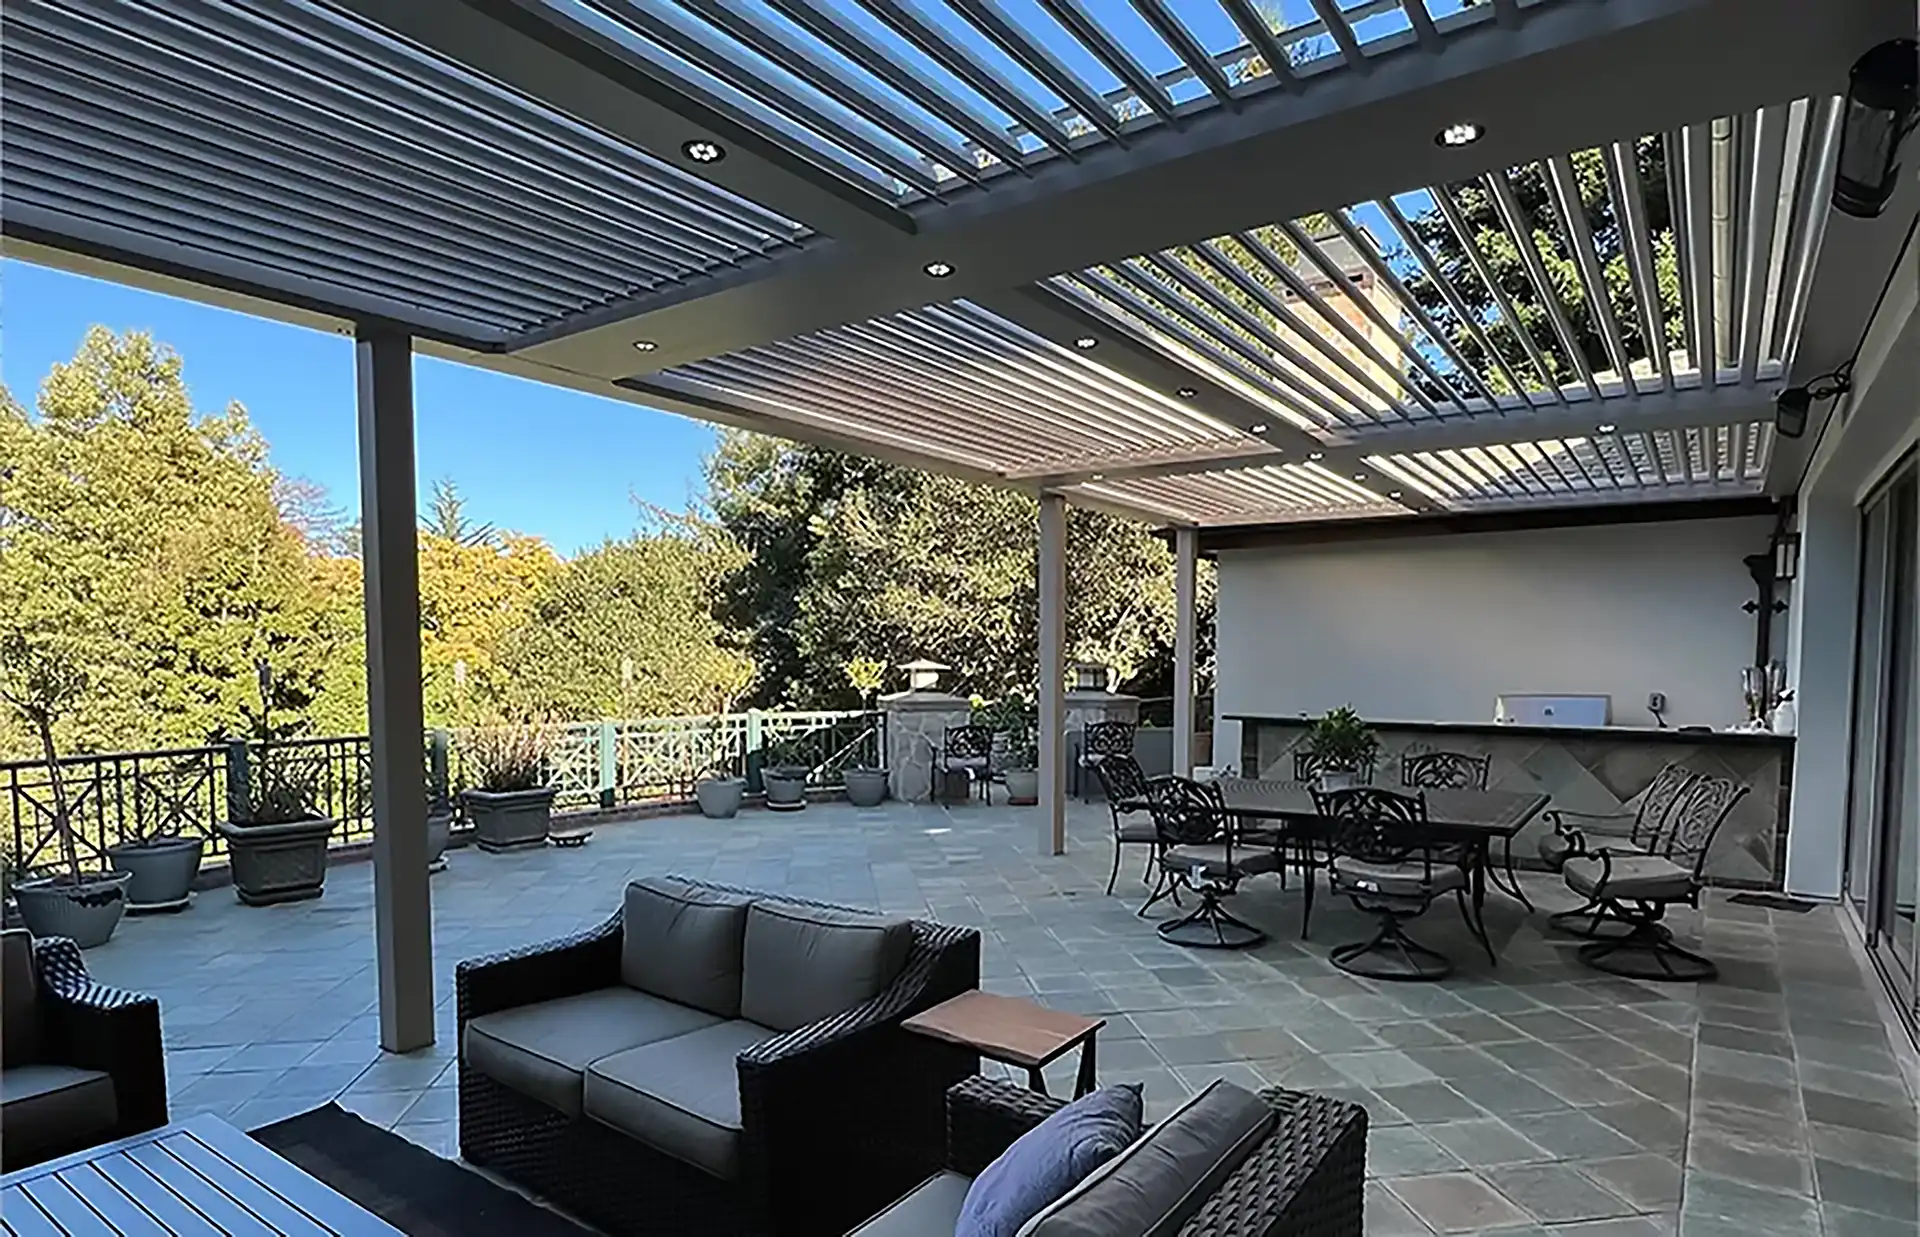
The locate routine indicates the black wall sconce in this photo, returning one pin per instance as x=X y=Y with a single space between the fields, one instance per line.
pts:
x=1883 y=101
x=1791 y=406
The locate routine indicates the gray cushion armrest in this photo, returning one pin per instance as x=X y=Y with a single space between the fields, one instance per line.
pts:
x=985 y=1116
x=568 y=966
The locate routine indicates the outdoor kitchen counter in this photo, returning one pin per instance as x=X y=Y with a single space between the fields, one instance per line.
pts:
x=1584 y=768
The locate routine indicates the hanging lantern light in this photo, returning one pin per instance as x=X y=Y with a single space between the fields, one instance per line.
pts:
x=1883 y=99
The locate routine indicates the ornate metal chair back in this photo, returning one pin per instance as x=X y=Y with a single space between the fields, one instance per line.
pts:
x=1663 y=793
x=1695 y=820
x=1106 y=739
x=1307 y=767
x=970 y=742
x=1374 y=825
x=1445 y=771
x=1121 y=780
x=1186 y=813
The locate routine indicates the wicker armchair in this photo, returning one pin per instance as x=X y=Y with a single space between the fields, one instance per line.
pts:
x=836 y=1116
x=84 y=1062
x=1304 y=1178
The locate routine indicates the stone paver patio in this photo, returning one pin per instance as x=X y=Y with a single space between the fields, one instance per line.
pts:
x=1534 y=1097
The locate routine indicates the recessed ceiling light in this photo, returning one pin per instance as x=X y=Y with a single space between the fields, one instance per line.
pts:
x=1085 y=341
x=1607 y=429
x=645 y=345
x=1393 y=493
x=1260 y=428
x=1097 y=476
x=1359 y=476
x=939 y=270
x=1187 y=392
x=700 y=150
x=1316 y=455
x=1460 y=133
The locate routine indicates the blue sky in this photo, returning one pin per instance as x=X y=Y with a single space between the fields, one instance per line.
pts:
x=527 y=457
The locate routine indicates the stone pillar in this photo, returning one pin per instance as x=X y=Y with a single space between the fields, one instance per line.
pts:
x=917 y=723
x=1052 y=569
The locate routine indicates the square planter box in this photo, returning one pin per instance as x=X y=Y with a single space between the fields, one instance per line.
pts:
x=510 y=819
x=278 y=863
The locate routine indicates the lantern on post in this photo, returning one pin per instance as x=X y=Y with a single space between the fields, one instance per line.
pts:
x=1883 y=99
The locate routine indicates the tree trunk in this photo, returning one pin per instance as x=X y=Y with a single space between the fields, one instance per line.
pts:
x=62 y=823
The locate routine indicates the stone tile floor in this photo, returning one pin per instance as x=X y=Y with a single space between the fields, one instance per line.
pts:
x=1535 y=1097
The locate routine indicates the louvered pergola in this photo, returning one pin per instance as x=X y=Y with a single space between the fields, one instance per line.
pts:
x=1203 y=262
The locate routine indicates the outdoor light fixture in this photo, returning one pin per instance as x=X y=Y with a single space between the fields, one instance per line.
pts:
x=1260 y=428
x=1190 y=393
x=1393 y=493
x=1359 y=476
x=1097 y=476
x=645 y=345
x=939 y=270
x=1605 y=429
x=1883 y=102
x=700 y=150
x=1460 y=133
x=1316 y=455
x=1791 y=406
x=1786 y=556
x=1085 y=342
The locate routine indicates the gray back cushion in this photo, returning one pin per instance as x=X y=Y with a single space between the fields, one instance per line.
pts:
x=19 y=1017
x=804 y=963
x=683 y=942
x=1155 y=1186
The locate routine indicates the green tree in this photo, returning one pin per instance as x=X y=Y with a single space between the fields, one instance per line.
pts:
x=446 y=518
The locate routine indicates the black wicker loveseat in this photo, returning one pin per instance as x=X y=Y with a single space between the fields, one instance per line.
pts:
x=83 y=1063
x=596 y=1071
x=1227 y=1163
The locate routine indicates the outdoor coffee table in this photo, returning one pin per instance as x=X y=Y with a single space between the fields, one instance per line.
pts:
x=1013 y=1032
x=196 y=1177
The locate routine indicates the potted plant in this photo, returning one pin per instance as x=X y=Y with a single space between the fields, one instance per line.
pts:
x=784 y=775
x=1341 y=745
x=275 y=831
x=866 y=784
x=510 y=804
x=716 y=788
x=162 y=866
x=1018 y=719
x=439 y=803
x=41 y=680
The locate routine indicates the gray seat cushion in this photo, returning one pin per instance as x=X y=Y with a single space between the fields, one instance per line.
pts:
x=53 y=1108
x=1156 y=1185
x=1250 y=860
x=1554 y=850
x=684 y=942
x=928 y=1210
x=19 y=1000
x=1646 y=878
x=1138 y=831
x=680 y=1096
x=804 y=963
x=543 y=1050
x=1408 y=879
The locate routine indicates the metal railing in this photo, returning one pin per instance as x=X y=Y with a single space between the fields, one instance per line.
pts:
x=121 y=796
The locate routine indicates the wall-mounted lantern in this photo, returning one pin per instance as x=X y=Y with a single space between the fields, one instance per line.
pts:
x=1883 y=100
x=922 y=674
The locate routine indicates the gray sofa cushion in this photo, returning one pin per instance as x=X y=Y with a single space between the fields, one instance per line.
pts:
x=19 y=998
x=680 y=1096
x=543 y=1050
x=804 y=963
x=53 y=1108
x=683 y=942
x=1156 y=1185
x=928 y=1211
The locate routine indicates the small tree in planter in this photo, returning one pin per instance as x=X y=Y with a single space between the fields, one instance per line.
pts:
x=275 y=830
x=784 y=775
x=162 y=863
x=1342 y=747
x=509 y=803
x=866 y=783
x=1018 y=718
x=40 y=680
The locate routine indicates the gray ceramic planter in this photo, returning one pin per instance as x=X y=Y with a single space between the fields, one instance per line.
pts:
x=278 y=863
x=866 y=787
x=720 y=797
x=88 y=912
x=508 y=820
x=786 y=788
x=1023 y=787
x=439 y=833
x=162 y=870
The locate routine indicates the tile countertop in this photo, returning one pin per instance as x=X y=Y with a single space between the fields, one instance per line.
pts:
x=1636 y=734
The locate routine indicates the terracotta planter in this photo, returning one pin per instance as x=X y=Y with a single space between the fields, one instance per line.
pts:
x=866 y=787
x=162 y=870
x=284 y=862
x=1023 y=787
x=786 y=788
x=509 y=820
x=87 y=912
x=720 y=797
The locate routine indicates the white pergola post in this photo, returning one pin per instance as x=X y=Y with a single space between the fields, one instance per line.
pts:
x=1186 y=569
x=1053 y=674
x=402 y=914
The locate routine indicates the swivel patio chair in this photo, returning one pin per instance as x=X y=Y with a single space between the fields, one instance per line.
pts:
x=969 y=750
x=1198 y=853
x=1444 y=771
x=1101 y=741
x=1574 y=832
x=1307 y=768
x=1125 y=787
x=1385 y=861
x=1634 y=886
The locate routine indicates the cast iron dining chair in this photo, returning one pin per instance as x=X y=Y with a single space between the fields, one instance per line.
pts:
x=1383 y=858
x=1444 y=771
x=1575 y=833
x=1635 y=885
x=1306 y=768
x=1101 y=741
x=1125 y=786
x=1198 y=854
x=966 y=749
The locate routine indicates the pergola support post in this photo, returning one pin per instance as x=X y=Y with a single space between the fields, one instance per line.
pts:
x=1053 y=674
x=403 y=916
x=1186 y=568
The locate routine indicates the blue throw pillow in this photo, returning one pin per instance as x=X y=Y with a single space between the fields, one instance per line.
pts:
x=1049 y=1160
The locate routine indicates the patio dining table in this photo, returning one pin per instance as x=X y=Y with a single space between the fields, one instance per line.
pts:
x=1474 y=819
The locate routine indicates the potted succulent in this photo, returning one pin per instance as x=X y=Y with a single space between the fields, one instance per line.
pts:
x=1341 y=745
x=784 y=775
x=510 y=803
x=41 y=680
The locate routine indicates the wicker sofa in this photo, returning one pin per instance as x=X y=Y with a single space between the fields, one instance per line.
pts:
x=1226 y=1164
x=699 y=1063
x=83 y=1063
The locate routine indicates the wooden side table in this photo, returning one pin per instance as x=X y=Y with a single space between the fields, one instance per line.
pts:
x=1013 y=1032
